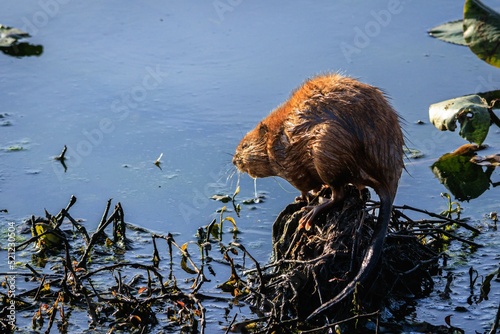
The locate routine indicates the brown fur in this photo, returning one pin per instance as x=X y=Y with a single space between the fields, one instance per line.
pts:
x=333 y=131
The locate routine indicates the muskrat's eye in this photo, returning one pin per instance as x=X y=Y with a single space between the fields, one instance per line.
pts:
x=262 y=129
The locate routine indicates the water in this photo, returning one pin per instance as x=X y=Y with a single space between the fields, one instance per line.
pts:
x=119 y=84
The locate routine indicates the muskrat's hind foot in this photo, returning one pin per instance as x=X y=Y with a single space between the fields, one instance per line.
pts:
x=305 y=196
x=307 y=220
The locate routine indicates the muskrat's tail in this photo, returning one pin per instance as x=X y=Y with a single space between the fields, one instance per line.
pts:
x=371 y=259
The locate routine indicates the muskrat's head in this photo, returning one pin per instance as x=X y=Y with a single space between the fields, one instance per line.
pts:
x=251 y=155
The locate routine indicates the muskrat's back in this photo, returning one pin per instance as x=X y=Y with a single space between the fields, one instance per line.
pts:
x=333 y=130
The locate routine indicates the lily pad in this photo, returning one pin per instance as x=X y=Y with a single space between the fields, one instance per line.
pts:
x=9 y=36
x=222 y=198
x=470 y=111
x=464 y=179
x=481 y=29
x=451 y=32
x=413 y=153
x=15 y=148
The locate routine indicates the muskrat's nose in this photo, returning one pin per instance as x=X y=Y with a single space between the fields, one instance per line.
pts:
x=236 y=159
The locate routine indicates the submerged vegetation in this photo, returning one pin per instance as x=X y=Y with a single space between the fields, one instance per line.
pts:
x=69 y=279
x=72 y=272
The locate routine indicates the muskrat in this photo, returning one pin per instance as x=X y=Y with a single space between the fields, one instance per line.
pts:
x=333 y=131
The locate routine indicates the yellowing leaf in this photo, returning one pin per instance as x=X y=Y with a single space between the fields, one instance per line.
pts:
x=109 y=242
x=184 y=246
x=185 y=267
x=470 y=111
x=236 y=192
x=231 y=219
x=51 y=240
x=135 y=320
x=482 y=31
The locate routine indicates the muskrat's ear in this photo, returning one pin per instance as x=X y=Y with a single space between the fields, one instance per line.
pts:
x=262 y=129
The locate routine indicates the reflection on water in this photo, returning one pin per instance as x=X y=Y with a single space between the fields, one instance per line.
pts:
x=23 y=50
x=463 y=178
x=118 y=85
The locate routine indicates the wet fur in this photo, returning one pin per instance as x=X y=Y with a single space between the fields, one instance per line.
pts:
x=333 y=130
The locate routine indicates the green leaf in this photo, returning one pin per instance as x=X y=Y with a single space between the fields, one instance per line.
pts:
x=451 y=32
x=462 y=178
x=470 y=111
x=486 y=286
x=481 y=29
x=215 y=231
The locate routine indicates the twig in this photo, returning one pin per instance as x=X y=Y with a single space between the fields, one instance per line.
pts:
x=170 y=240
x=60 y=216
x=494 y=328
x=33 y=270
x=95 y=236
x=16 y=298
x=203 y=322
x=448 y=234
x=494 y=118
x=356 y=317
x=420 y=264
x=61 y=157
x=78 y=226
x=105 y=214
x=36 y=237
x=156 y=254
x=231 y=324
x=257 y=265
x=52 y=316
x=37 y=294
x=286 y=261
x=407 y=207
x=120 y=265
